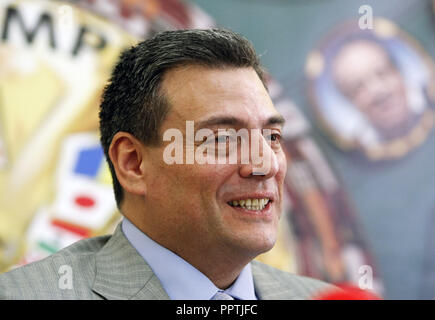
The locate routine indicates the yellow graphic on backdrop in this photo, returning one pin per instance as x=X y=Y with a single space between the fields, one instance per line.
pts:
x=55 y=60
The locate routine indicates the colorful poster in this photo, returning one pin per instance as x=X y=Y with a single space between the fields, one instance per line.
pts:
x=55 y=58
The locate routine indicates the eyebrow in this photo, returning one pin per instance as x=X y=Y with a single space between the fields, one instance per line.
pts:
x=236 y=122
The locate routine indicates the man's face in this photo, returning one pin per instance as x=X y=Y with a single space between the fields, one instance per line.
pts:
x=191 y=203
x=367 y=77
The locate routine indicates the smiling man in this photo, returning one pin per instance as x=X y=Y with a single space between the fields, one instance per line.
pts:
x=190 y=229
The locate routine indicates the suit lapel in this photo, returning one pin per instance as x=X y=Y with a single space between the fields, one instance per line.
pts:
x=269 y=286
x=263 y=283
x=121 y=273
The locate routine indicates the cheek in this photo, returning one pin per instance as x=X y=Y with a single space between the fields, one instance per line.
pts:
x=399 y=88
x=191 y=185
x=280 y=175
x=363 y=100
x=165 y=183
x=208 y=179
x=282 y=166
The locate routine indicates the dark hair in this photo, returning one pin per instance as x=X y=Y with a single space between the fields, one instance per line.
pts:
x=133 y=102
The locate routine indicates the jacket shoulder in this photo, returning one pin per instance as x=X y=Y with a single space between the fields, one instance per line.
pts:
x=272 y=283
x=66 y=274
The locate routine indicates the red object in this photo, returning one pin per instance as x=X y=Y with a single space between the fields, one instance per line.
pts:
x=347 y=292
x=84 y=201
x=80 y=231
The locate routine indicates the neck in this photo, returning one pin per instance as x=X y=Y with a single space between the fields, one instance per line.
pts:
x=220 y=263
x=221 y=268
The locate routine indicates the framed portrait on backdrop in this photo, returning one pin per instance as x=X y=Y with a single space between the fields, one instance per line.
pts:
x=372 y=90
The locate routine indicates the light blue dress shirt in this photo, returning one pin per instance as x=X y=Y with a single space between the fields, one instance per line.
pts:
x=180 y=279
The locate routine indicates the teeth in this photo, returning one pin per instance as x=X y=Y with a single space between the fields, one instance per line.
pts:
x=250 y=204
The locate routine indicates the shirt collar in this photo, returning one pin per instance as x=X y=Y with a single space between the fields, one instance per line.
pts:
x=180 y=279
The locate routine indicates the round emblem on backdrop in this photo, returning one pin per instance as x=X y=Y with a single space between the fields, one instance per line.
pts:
x=372 y=90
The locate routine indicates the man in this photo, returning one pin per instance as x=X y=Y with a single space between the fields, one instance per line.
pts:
x=190 y=229
x=366 y=75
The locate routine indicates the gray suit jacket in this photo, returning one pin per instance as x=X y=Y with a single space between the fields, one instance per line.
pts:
x=108 y=267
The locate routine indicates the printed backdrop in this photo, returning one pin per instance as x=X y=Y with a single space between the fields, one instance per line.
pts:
x=55 y=57
x=368 y=96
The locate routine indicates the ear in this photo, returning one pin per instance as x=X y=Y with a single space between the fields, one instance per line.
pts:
x=127 y=156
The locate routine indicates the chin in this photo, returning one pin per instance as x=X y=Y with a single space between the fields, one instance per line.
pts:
x=258 y=244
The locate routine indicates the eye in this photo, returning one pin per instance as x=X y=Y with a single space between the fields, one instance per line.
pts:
x=274 y=137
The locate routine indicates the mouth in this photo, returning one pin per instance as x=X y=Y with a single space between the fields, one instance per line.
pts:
x=251 y=204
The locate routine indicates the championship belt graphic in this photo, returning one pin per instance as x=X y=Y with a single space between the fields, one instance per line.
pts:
x=55 y=58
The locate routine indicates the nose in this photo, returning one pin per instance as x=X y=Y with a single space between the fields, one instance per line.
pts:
x=263 y=162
